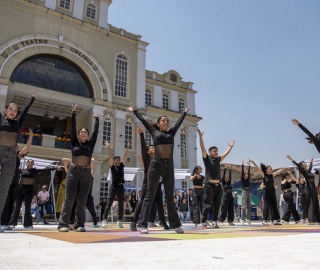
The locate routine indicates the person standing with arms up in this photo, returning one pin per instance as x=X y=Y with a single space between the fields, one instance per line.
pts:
x=161 y=165
x=117 y=188
x=10 y=126
x=246 y=196
x=79 y=179
x=212 y=182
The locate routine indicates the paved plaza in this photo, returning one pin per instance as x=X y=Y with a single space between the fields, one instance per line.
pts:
x=238 y=247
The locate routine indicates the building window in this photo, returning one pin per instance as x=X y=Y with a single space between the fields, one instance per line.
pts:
x=121 y=76
x=184 y=185
x=91 y=11
x=104 y=188
x=165 y=101
x=128 y=135
x=65 y=4
x=55 y=73
x=148 y=138
x=183 y=146
x=181 y=105
x=148 y=97
x=106 y=136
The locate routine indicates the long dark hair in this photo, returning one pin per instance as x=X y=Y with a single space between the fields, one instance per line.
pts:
x=83 y=128
x=196 y=168
x=264 y=167
x=155 y=125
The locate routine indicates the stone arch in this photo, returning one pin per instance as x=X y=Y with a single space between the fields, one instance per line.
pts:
x=17 y=50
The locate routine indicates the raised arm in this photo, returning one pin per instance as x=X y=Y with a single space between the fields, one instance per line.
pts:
x=144 y=153
x=223 y=156
x=73 y=133
x=141 y=161
x=203 y=149
x=310 y=165
x=301 y=170
x=124 y=159
x=25 y=149
x=107 y=144
x=146 y=124
x=279 y=171
x=93 y=168
x=22 y=115
x=95 y=130
x=257 y=167
x=242 y=170
x=311 y=136
x=180 y=120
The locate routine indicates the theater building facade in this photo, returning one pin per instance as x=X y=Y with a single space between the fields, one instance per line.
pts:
x=67 y=51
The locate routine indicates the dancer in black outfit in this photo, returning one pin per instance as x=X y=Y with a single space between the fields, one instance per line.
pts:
x=10 y=126
x=311 y=192
x=147 y=154
x=246 y=196
x=197 y=194
x=227 y=204
x=212 y=183
x=269 y=197
x=26 y=193
x=117 y=188
x=287 y=179
x=79 y=179
x=13 y=190
x=161 y=165
x=312 y=138
x=302 y=187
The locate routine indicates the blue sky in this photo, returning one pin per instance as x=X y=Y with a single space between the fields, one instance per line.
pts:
x=254 y=63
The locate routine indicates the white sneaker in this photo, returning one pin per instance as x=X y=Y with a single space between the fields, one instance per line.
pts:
x=277 y=222
x=242 y=222
x=231 y=224
x=284 y=222
x=120 y=224
x=80 y=229
x=298 y=222
x=143 y=230
x=33 y=215
x=264 y=223
x=104 y=224
x=249 y=222
x=152 y=224
x=7 y=227
x=179 y=230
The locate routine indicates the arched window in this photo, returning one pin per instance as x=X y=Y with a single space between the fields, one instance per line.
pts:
x=165 y=101
x=148 y=97
x=65 y=4
x=55 y=73
x=128 y=134
x=121 y=76
x=106 y=136
x=183 y=146
x=91 y=11
x=148 y=138
x=181 y=105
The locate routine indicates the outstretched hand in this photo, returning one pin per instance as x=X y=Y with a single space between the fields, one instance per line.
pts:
x=131 y=108
x=34 y=94
x=186 y=110
x=107 y=144
x=94 y=116
x=139 y=130
x=289 y=157
x=74 y=107
x=200 y=133
x=295 y=121
x=231 y=144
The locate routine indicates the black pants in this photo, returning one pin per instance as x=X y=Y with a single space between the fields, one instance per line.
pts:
x=11 y=198
x=303 y=203
x=312 y=203
x=211 y=198
x=157 y=205
x=25 y=193
x=197 y=204
x=90 y=207
x=227 y=208
x=270 y=203
x=288 y=197
x=165 y=168
x=119 y=191
x=78 y=184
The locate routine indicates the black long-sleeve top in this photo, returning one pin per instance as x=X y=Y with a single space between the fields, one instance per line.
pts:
x=226 y=185
x=302 y=188
x=313 y=138
x=161 y=137
x=268 y=181
x=306 y=173
x=145 y=157
x=245 y=182
x=82 y=149
x=13 y=126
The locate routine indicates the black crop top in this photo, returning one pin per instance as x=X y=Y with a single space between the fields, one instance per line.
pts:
x=25 y=173
x=286 y=185
x=226 y=185
x=212 y=166
x=198 y=181
x=9 y=129
x=268 y=181
x=245 y=182
x=161 y=137
x=79 y=149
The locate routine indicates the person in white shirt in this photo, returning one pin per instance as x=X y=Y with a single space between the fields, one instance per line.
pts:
x=43 y=198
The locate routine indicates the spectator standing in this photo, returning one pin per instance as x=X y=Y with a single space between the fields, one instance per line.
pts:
x=43 y=198
x=37 y=135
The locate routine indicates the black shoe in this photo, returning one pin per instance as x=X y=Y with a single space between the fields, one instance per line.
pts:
x=164 y=225
x=133 y=226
